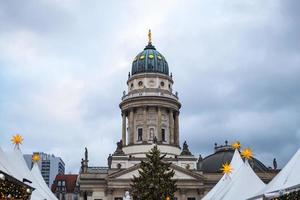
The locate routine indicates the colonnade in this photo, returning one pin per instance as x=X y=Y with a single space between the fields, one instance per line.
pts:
x=128 y=116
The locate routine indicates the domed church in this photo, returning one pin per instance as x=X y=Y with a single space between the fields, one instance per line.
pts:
x=150 y=116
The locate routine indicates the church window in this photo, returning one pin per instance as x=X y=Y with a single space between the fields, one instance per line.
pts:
x=142 y=57
x=119 y=166
x=140 y=83
x=159 y=57
x=140 y=134
x=151 y=56
x=163 y=135
x=162 y=84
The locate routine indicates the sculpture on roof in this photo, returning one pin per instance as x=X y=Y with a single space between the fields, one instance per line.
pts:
x=109 y=161
x=155 y=140
x=274 y=163
x=185 y=150
x=119 y=150
x=127 y=196
x=86 y=154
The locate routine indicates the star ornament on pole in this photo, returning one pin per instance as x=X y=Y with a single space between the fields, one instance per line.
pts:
x=236 y=145
x=247 y=154
x=226 y=168
x=17 y=139
x=35 y=157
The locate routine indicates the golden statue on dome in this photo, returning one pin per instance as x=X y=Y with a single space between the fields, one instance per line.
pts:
x=149 y=36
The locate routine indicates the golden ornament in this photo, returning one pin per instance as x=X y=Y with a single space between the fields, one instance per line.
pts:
x=247 y=154
x=226 y=168
x=35 y=157
x=17 y=139
x=236 y=145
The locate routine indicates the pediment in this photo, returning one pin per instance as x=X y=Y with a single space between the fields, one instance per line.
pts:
x=180 y=173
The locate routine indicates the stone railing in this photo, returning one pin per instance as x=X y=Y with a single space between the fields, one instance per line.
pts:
x=150 y=92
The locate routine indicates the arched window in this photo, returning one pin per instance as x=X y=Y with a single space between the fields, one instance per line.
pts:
x=163 y=135
x=140 y=134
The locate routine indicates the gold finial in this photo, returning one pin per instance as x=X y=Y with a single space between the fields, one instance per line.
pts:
x=149 y=36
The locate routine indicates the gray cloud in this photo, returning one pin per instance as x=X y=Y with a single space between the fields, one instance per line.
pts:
x=64 y=66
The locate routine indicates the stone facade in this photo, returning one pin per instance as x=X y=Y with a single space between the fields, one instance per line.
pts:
x=150 y=116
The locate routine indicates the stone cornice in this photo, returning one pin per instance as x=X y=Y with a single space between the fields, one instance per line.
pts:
x=150 y=101
x=150 y=75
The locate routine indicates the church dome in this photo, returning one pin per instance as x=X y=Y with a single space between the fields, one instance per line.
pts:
x=149 y=60
x=223 y=154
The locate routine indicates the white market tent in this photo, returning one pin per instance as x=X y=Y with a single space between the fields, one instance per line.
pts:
x=241 y=184
x=4 y=164
x=287 y=179
x=36 y=173
x=236 y=163
x=19 y=169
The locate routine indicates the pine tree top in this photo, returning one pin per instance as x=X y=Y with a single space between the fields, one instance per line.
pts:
x=155 y=178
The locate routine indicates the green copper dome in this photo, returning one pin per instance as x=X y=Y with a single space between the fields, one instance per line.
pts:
x=149 y=60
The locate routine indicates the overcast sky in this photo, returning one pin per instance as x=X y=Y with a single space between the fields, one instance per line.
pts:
x=64 y=66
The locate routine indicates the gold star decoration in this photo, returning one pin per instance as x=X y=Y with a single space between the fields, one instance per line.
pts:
x=17 y=139
x=226 y=168
x=236 y=145
x=35 y=157
x=247 y=154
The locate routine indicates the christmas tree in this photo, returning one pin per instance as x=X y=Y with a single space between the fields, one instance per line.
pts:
x=155 y=178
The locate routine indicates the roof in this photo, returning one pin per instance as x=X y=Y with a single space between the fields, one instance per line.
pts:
x=36 y=174
x=20 y=171
x=224 y=154
x=70 y=181
x=288 y=178
x=236 y=184
x=149 y=60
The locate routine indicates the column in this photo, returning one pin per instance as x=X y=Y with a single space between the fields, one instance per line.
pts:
x=176 y=128
x=109 y=193
x=131 y=127
x=89 y=195
x=182 y=194
x=124 y=128
x=159 y=138
x=171 y=127
x=145 y=138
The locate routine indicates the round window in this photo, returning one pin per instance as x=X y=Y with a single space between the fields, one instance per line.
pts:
x=140 y=83
x=162 y=84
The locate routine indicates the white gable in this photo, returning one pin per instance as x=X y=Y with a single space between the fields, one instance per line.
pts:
x=178 y=175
